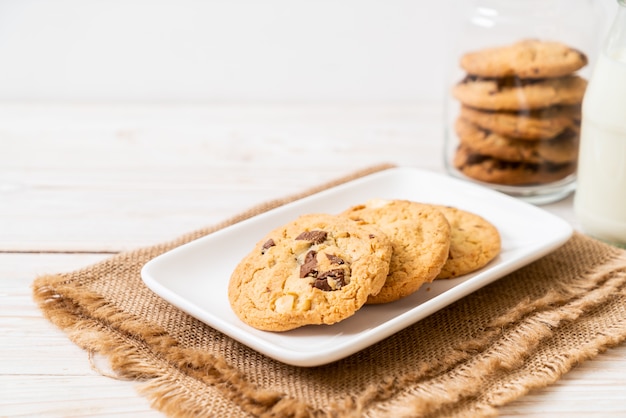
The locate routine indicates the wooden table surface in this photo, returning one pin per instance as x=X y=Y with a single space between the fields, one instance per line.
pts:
x=80 y=182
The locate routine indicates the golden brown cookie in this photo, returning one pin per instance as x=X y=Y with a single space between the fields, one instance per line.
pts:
x=559 y=150
x=514 y=94
x=420 y=236
x=317 y=269
x=474 y=242
x=535 y=124
x=492 y=170
x=525 y=59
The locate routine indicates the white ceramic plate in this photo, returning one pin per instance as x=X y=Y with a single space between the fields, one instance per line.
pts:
x=194 y=277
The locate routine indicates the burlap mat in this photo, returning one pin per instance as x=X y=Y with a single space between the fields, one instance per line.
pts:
x=522 y=332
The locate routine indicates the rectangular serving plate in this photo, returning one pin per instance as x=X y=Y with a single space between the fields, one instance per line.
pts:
x=194 y=277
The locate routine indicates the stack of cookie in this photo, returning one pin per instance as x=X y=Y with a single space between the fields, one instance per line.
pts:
x=520 y=113
x=322 y=268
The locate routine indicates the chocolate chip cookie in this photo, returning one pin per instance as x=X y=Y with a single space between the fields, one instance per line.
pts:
x=420 y=237
x=512 y=173
x=316 y=269
x=474 y=242
x=528 y=59
x=513 y=93
x=559 y=150
x=543 y=123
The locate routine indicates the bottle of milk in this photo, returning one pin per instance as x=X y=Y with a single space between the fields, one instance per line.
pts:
x=600 y=200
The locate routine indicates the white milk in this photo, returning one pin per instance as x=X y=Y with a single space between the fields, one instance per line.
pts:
x=600 y=200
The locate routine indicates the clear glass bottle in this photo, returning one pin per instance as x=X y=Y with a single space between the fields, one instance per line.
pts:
x=600 y=200
x=507 y=127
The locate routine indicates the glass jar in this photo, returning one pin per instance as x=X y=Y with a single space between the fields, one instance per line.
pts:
x=517 y=73
x=600 y=200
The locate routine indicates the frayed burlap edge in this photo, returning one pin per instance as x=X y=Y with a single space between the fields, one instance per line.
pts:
x=170 y=373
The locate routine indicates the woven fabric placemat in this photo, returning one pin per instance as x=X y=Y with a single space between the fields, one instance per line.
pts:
x=522 y=332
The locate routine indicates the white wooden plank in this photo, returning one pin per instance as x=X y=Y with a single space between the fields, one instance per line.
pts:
x=33 y=347
x=75 y=396
x=101 y=178
x=29 y=344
